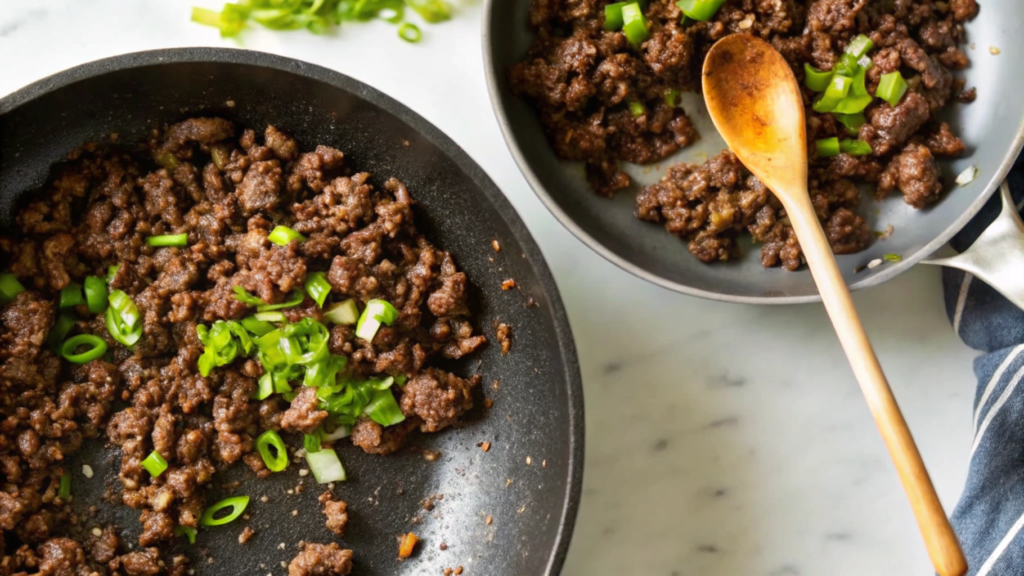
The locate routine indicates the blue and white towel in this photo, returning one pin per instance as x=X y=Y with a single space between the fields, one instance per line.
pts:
x=989 y=519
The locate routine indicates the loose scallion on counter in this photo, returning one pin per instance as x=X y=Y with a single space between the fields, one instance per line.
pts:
x=410 y=33
x=211 y=516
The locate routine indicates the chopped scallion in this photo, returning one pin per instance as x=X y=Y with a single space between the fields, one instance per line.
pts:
x=859 y=46
x=892 y=258
x=375 y=313
x=311 y=442
x=613 y=16
x=123 y=319
x=634 y=25
x=318 y=287
x=344 y=313
x=828 y=147
x=891 y=87
x=852 y=104
x=815 y=79
x=672 y=97
x=64 y=492
x=9 y=287
x=432 y=11
x=837 y=89
x=154 y=464
x=237 y=504
x=326 y=466
x=283 y=236
x=96 y=294
x=168 y=240
x=701 y=10
x=852 y=122
x=96 y=348
x=383 y=409
x=410 y=33
x=186 y=531
x=277 y=460
x=257 y=325
x=637 y=108
x=71 y=295
x=59 y=331
x=855 y=147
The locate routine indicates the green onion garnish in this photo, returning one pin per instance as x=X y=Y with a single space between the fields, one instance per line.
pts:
x=97 y=346
x=855 y=147
x=64 y=492
x=634 y=25
x=837 y=89
x=828 y=147
x=311 y=442
x=410 y=33
x=168 y=240
x=265 y=386
x=613 y=16
x=815 y=79
x=71 y=295
x=243 y=296
x=432 y=11
x=637 y=108
x=123 y=320
x=59 y=331
x=277 y=460
x=846 y=66
x=9 y=287
x=283 y=236
x=112 y=271
x=852 y=122
x=154 y=464
x=859 y=86
x=222 y=343
x=237 y=505
x=672 y=97
x=892 y=258
x=376 y=312
x=852 y=104
x=258 y=326
x=326 y=466
x=859 y=46
x=891 y=87
x=701 y=10
x=318 y=287
x=186 y=531
x=344 y=313
x=383 y=409
x=96 y=294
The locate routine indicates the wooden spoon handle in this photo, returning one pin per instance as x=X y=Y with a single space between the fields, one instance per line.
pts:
x=939 y=538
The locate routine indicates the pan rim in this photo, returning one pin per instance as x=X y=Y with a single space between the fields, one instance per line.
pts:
x=531 y=250
x=495 y=91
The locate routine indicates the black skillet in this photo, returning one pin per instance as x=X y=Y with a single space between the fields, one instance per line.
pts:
x=529 y=480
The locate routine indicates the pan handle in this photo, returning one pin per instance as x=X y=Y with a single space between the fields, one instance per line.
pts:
x=997 y=256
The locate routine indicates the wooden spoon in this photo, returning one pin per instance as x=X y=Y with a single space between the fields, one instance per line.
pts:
x=755 y=103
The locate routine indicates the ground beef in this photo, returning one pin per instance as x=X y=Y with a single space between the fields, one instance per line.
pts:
x=336 y=512
x=321 y=560
x=226 y=192
x=601 y=100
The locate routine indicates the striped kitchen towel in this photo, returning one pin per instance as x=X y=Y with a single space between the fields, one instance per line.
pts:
x=990 y=515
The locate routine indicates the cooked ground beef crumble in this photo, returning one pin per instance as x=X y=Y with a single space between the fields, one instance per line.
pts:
x=226 y=190
x=582 y=80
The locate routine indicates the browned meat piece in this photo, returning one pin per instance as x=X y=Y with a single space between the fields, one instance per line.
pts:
x=304 y=414
x=201 y=130
x=336 y=512
x=964 y=9
x=504 y=337
x=141 y=563
x=942 y=142
x=847 y=232
x=321 y=560
x=61 y=557
x=375 y=439
x=283 y=145
x=888 y=128
x=26 y=322
x=260 y=189
x=437 y=397
x=915 y=173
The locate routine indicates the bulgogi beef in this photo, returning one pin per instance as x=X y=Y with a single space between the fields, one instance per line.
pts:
x=602 y=100
x=226 y=191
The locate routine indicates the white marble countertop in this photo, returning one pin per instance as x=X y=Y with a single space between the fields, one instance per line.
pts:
x=733 y=441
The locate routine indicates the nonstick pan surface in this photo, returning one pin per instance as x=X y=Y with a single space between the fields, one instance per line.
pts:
x=528 y=482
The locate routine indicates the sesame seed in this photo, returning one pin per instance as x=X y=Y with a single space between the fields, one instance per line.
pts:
x=87 y=471
x=488 y=520
x=264 y=499
x=529 y=461
x=875 y=263
x=303 y=472
x=295 y=512
x=97 y=532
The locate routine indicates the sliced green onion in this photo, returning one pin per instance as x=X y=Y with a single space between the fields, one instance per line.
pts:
x=892 y=258
x=859 y=46
x=634 y=25
x=278 y=460
x=852 y=104
x=672 y=97
x=168 y=240
x=376 y=312
x=97 y=346
x=243 y=296
x=828 y=147
x=222 y=343
x=64 y=492
x=59 y=331
x=186 y=531
x=326 y=466
x=338 y=433
x=265 y=387
x=344 y=313
x=123 y=319
x=855 y=147
x=96 y=294
x=891 y=87
x=410 y=32
x=318 y=287
x=383 y=409
x=283 y=236
x=859 y=86
x=324 y=372
x=613 y=16
x=815 y=79
x=433 y=11
x=154 y=464
x=294 y=299
x=852 y=122
x=701 y=10
x=260 y=326
x=9 y=287
x=71 y=295
x=837 y=89
x=846 y=66
x=637 y=108
x=267 y=317
x=237 y=505
x=112 y=271
x=311 y=442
